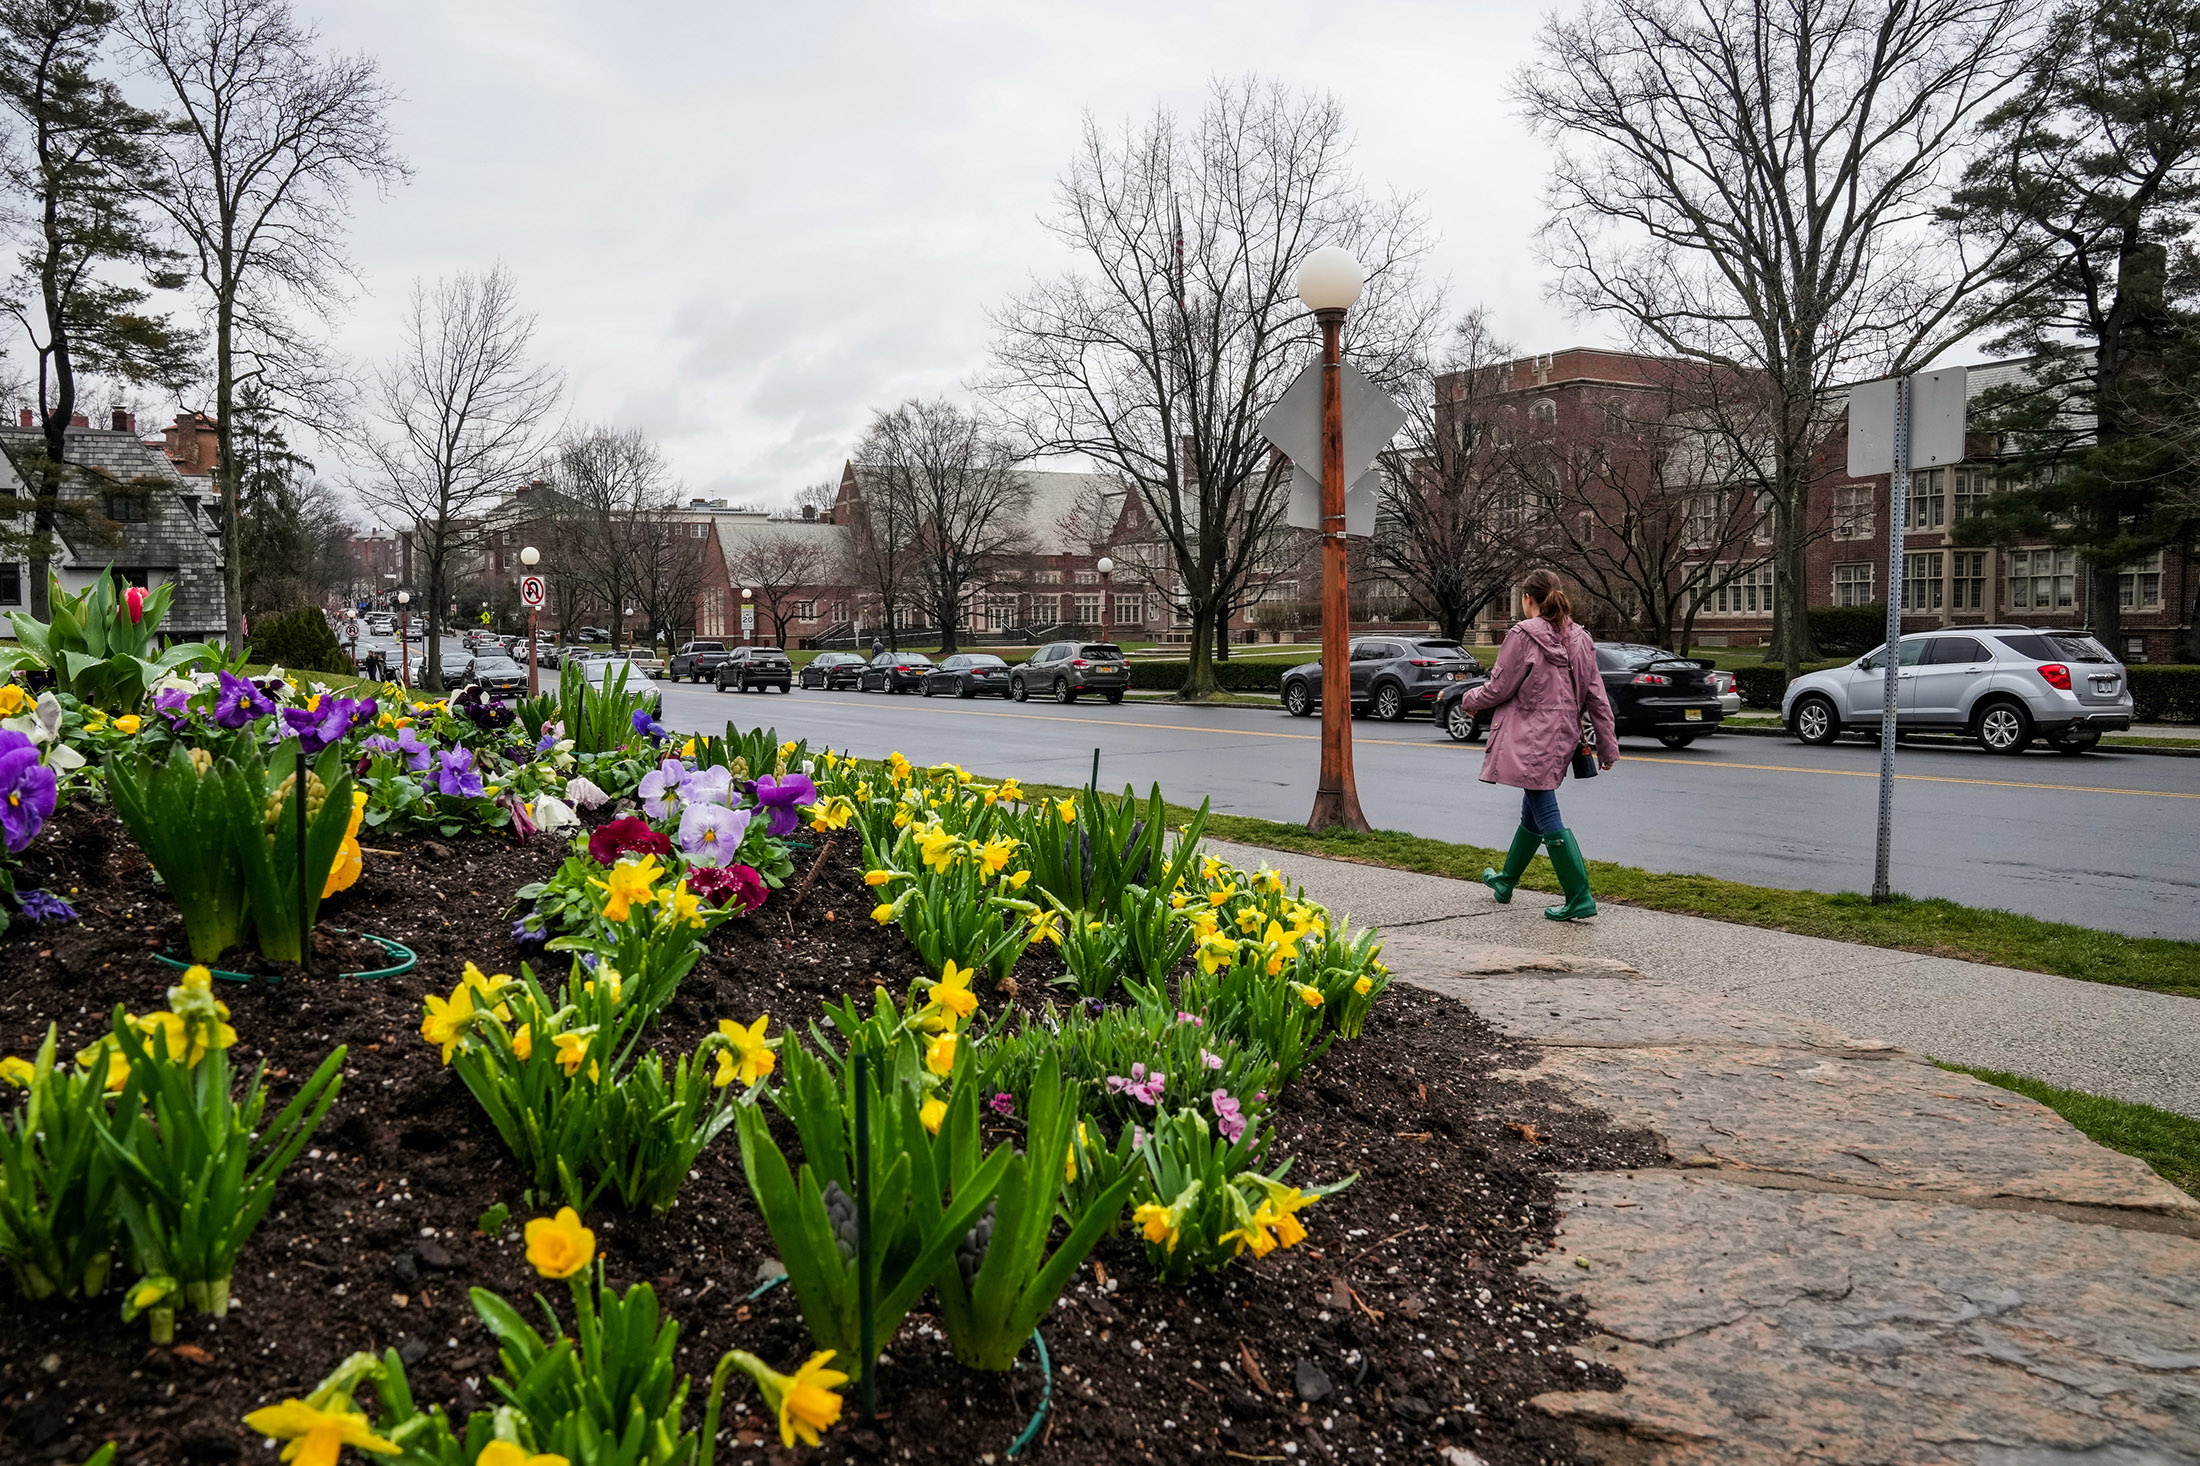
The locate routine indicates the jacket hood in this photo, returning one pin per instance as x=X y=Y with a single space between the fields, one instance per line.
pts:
x=1548 y=636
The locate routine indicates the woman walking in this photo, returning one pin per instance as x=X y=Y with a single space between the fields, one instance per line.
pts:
x=1546 y=677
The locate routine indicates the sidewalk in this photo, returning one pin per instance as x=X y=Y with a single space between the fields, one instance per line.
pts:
x=1858 y=1257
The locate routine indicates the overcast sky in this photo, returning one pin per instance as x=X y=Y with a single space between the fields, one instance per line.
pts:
x=743 y=227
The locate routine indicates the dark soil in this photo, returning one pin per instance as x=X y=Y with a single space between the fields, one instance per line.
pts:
x=1402 y=1324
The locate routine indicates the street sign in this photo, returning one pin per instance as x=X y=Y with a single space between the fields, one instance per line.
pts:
x=1294 y=426
x=532 y=592
x=748 y=620
x=1937 y=404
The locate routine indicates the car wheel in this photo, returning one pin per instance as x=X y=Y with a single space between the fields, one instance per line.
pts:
x=2003 y=727
x=2077 y=743
x=1676 y=740
x=1113 y=697
x=1459 y=723
x=1814 y=721
x=1017 y=690
x=962 y=688
x=1063 y=692
x=1390 y=705
x=1297 y=701
x=925 y=687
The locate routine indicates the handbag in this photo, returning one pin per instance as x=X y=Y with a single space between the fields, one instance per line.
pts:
x=1585 y=752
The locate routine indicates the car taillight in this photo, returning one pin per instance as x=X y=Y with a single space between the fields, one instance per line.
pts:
x=2055 y=675
x=1651 y=679
x=1080 y=662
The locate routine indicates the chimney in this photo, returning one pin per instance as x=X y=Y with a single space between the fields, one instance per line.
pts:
x=28 y=420
x=79 y=420
x=809 y=511
x=121 y=421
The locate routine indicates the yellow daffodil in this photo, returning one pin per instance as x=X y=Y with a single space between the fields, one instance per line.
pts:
x=609 y=977
x=901 y=819
x=883 y=912
x=687 y=749
x=504 y=1453
x=486 y=987
x=13 y=700
x=1312 y=997
x=995 y=854
x=750 y=1058
x=1217 y=898
x=878 y=877
x=1161 y=1225
x=686 y=905
x=1017 y=881
x=1364 y=986
x=560 y=1246
x=1046 y=926
x=1177 y=902
x=1215 y=953
x=449 y=1018
x=951 y=999
x=572 y=1048
x=804 y=1402
x=1211 y=869
x=938 y=847
x=116 y=1062
x=17 y=1072
x=1281 y=1208
x=1067 y=809
x=523 y=1043
x=181 y=1040
x=932 y=1112
x=832 y=813
x=628 y=885
x=128 y=723
x=788 y=747
x=350 y=860
x=898 y=767
x=317 y=1436
x=939 y=1055
x=1011 y=791
x=1248 y=920
x=1252 y=1233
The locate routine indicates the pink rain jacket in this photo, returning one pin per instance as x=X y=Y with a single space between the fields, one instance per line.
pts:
x=1544 y=680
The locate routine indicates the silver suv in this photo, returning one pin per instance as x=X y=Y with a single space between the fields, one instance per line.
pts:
x=2004 y=685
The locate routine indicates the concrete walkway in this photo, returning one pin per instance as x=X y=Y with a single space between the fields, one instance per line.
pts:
x=1858 y=1257
x=2126 y=1043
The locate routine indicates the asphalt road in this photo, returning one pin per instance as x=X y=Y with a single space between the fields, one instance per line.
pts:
x=2104 y=839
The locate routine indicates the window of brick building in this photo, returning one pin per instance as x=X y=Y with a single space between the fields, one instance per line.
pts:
x=2043 y=580
x=1968 y=489
x=805 y=610
x=1088 y=577
x=1852 y=584
x=1088 y=610
x=11 y=583
x=1921 y=589
x=2139 y=585
x=1130 y=610
x=1747 y=594
x=1929 y=498
x=1852 y=512
x=1967 y=580
x=840 y=611
x=1050 y=577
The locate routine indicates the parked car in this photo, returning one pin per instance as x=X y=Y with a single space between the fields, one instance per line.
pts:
x=1068 y=669
x=496 y=673
x=2003 y=685
x=592 y=634
x=833 y=671
x=1729 y=692
x=1654 y=693
x=1391 y=676
x=602 y=672
x=968 y=674
x=894 y=672
x=754 y=666
x=697 y=660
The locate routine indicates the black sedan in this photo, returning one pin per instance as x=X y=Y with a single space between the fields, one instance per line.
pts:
x=968 y=674
x=1655 y=694
x=500 y=675
x=833 y=671
x=894 y=672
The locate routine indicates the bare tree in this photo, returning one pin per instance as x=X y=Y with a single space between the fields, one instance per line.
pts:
x=613 y=487
x=1655 y=501
x=1446 y=531
x=813 y=501
x=457 y=420
x=956 y=496
x=670 y=570
x=777 y=562
x=266 y=141
x=1158 y=359
x=1751 y=184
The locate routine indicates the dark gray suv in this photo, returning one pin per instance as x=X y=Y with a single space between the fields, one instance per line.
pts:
x=1069 y=668
x=1391 y=676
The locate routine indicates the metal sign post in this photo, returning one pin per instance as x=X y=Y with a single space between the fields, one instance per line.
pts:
x=1894 y=424
x=532 y=593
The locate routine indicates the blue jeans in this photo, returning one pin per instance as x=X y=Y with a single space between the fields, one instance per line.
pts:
x=1539 y=811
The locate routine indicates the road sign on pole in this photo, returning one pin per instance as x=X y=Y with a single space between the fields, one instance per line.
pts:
x=533 y=592
x=1895 y=424
x=1294 y=426
x=748 y=622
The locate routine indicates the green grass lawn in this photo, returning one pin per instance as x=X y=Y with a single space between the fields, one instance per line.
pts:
x=2164 y=1139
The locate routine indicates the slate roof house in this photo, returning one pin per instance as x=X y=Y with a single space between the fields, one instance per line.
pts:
x=126 y=505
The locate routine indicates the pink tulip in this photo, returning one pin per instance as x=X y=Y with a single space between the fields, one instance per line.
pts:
x=134 y=599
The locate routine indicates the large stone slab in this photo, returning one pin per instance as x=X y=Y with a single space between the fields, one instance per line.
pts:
x=1755 y=1325
x=1567 y=1009
x=1889 y=1122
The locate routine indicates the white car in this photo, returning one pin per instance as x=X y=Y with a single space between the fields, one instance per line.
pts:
x=1730 y=693
x=604 y=671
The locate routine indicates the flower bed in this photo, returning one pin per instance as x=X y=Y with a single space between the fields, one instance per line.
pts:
x=1305 y=1202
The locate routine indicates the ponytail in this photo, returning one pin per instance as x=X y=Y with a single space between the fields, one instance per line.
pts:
x=1549 y=594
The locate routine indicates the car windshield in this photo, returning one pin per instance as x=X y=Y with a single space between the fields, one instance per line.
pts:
x=495 y=667
x=911 y=659
x=982 y=659
x=1104 y=651
x=603 y=669
x=2055 y=646
x=1620 y=656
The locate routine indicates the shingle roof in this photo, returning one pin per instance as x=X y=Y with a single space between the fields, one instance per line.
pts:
x=170 y=538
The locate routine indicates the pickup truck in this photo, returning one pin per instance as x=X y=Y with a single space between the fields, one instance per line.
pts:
x=696 y=661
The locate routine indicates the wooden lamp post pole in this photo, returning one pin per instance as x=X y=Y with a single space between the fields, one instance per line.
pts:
x=1336 y=798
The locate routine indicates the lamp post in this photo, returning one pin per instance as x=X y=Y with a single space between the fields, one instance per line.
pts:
x=1106 y=567
x=530 y=557
x=404 y=642
x=1329 y=282
x=748 y=616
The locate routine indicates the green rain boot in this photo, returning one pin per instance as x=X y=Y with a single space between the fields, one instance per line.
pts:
x=1573 y=876
x=1525 y=844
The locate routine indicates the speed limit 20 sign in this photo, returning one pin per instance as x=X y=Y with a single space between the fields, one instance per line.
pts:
x=532 y=591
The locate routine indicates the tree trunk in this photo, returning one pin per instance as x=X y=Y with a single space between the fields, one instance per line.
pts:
x=225 y=469
x=1222 y=634
x=431 y=651
x=1199 y=672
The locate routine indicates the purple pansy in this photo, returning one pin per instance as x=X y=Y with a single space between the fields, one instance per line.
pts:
x=780 y=796
x=709 y=786
x=1228 y=1118
x=417 y=753
x=44 y=908
x=660 y=788
x=174 y=704
x=325 y=723
x=711 y=833
x=26 y=789
x=240 y=702
x=456 y=775
x=644 y=723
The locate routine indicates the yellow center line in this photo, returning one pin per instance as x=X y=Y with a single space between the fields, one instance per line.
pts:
x=1686 y=763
